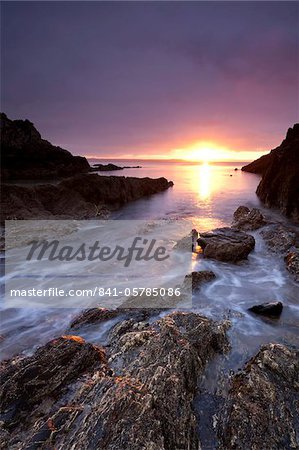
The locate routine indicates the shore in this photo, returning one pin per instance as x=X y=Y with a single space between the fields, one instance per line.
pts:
x=131 y=378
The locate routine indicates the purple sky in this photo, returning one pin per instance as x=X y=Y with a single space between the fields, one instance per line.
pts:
x=136 y=78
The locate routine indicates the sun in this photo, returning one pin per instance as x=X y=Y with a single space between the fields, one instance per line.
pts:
x=204 y=152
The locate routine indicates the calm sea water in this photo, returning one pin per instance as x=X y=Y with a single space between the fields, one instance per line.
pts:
x=208 y=194
x=206 y=197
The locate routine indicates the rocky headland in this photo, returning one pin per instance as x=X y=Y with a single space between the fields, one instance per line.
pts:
x=57 y=184
x=279 y=186
x=83 y=196
x=26 y=156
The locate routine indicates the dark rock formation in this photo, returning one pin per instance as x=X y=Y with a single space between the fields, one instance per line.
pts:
x=106 y=167
x=226 y=244
x=25 y=155
x=292 y=263
x=271 y=309
x=93 y=315
x=261 y=410
x=141 y=398
x=248 y=220
x=259 y=166
x=279 y=238
x=100 y=315
x=279 y=186
x=78 y=197
x=200 y=277
x=110 y=167
x=29 y=381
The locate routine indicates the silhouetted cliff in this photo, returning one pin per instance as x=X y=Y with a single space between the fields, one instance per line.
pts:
x=279 y=186
x=25 y=155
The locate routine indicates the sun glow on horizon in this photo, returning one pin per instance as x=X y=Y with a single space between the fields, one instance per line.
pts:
x=204 y=152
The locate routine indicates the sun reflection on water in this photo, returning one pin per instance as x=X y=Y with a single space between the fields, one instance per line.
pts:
x=204 y=181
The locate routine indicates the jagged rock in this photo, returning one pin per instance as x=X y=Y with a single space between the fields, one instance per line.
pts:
x=279 y=186
x=226 y=244
x=26 y=382
x=292 y=263
x=143 y=397
x=278 y=238
x=78 y=197
x=99 y=315
x=259 y=166
x=25 y=155
x=261 y=409
x=200 y=277
x=271 y=309
x=156 y=369
x=93 y=315
x=248 y=220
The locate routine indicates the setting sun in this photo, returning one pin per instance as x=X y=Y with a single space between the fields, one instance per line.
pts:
x=203 y=152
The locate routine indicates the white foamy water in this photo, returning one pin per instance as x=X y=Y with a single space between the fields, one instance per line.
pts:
x=205 y=197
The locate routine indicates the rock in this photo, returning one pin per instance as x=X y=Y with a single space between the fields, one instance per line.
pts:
x=28 y=381
x=79 y=197
x=279 y=186
x=248 y=220
x=142 y=398
x=199 y=278
x=99 y=315
x=261 y=409
x=278 y=238
x=235 y=169
x=106 y=167
x=259 y=166
x=292 y=263
x=226 y=244
x=111 y=167
x=25 y=155
x=271 y=309
x=93 y=315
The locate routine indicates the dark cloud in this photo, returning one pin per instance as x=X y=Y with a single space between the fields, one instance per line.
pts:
x=128 y=76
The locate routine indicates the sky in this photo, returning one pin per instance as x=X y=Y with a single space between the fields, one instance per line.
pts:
x=153 y=79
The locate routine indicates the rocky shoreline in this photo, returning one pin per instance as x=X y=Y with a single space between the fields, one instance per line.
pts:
x=83 y=196
x=58 y=185
x=138 y=389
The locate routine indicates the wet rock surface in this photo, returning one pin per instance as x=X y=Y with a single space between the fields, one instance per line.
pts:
x=99 y=315
x=140 y=398
x=292 y=263
x=248 y=220
x=279 y=238
x=226 y=244
x=261 y=409
x=200 y=277
x=271 y=309
x=28 y=381
x=78 y=197
x=25 y=155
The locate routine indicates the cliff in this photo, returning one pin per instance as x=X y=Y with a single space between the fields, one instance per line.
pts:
x=279 y=186
x=25 y=155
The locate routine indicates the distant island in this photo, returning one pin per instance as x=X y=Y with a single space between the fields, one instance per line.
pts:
x=110 y=167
